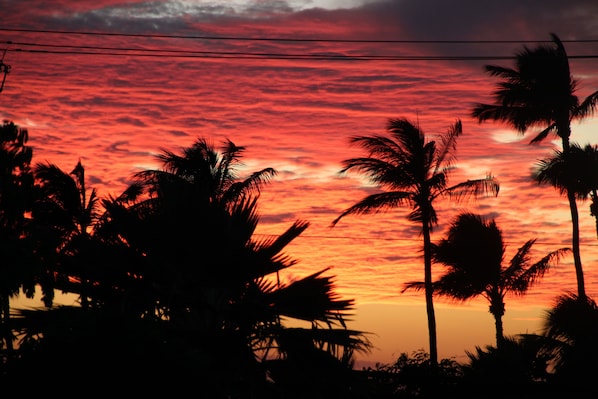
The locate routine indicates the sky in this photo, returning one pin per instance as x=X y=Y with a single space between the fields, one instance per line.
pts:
x=113 y=83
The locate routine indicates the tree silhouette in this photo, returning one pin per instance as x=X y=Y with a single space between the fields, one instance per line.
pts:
x=572 y=326
x=65 y=214
x=576 y=170
x=415 y=173
x=473 y=252
x=516 y=369
x=540 y=92
x=181 y=258
x=212 y=174
x=409 y=377
x=17 y=269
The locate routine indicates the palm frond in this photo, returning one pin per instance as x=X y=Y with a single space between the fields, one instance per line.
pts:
x=231 y=156
x=519 y=261
x=512 y=115
x=274 y=246
x=252 y=184
x=377 y=203
x=393 y=174
x=409 y=137
x=508 y=74
x=474 y=188
x=416 y=286
x=311 y=298
x=459 y=285
x=544 y=133
x=524 y=278
x=381 y=147
x=587 y=107
x=552 y=171
x=267 y=253
x=452 y=286
x=243 y=220
x=444 y=156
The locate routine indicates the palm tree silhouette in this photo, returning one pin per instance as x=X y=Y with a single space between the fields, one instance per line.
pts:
x=199 y=189
x=571 y=326
x=66 y=213
x=540 y=92
x=17 y=269
x=474 y=251
x=576 y=170
x=415 y=172
x=211 y=173
x=192 y=225
x=190 y=290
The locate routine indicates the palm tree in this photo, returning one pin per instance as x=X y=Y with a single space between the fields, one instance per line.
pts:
x=540 y=92
x=200 y=188
x=17 y=269
x=575 y=170
x=65 y=216
x=473 y=252
x=415 y=172
x=571 y=326
x=192 y=226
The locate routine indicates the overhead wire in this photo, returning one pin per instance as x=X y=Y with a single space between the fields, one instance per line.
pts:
x=59 y=49
x=248 y=38
x=128 y=52
x=170 y=53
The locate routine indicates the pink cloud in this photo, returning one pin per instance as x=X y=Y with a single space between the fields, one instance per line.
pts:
x=116 y=112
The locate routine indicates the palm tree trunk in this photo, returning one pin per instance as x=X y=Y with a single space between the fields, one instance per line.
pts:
x=564 y=131
x=497 y=309
x=499 y=330
x=581 y=291
x=429 y=293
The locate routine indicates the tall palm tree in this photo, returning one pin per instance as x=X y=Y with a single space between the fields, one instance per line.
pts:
x=540 y=92
x=576 y=170
x=415 y=172
x=473 y=252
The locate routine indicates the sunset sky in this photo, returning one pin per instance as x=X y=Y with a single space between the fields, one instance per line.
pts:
x=114 y=82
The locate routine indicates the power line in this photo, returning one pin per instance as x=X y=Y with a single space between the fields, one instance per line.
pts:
x=279 y=39
x=167 y=53
x=240 y=55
